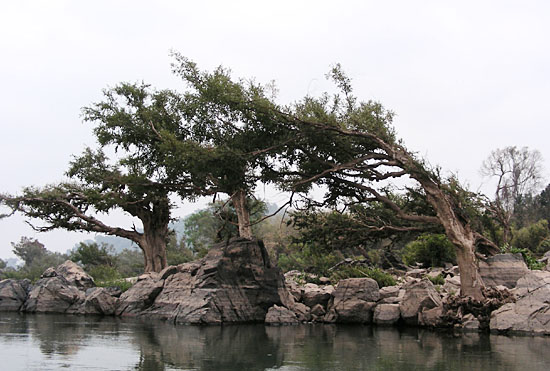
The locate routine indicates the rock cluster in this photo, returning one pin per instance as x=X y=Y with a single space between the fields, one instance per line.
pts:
x=236 y=283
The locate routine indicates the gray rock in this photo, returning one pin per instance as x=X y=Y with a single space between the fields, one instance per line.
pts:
x=277 y=315
x=139 y=297
x=13 y=294
x=470 y=323
x=314 y=294
x=418 y=296
x=452 y=284
x=52 y=295
x=100 y=301
x=234 y=283
x=431 y=317
x=416 y=273
x=503 y=269
x=389 y=291
x=386 y=314
x=318 y=310
x=74 y=275
x=530 y=313
x=354 y=301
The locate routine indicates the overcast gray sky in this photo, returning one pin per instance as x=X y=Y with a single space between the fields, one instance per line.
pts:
x=463 y=77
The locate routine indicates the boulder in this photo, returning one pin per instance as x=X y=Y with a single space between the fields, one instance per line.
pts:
x=99 y=301
x=74 y=275
x=416 y=273
x=503 y=269
x=470 y=323
x=13 y=294
x=318 y=310
x=386 y=314
x=314 y=294
x=389 y=292
x=53 y=295
x=139 y=297
x=431 y=317
x=418 y=296
x=277 y=315
x=530 y=313
x=353 y=302
x=452 y=284
x=234 y=282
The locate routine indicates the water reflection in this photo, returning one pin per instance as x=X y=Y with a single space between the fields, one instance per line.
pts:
x=52 y=342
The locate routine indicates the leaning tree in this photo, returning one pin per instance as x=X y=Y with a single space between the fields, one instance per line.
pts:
x=135 y=183
x=351 y=148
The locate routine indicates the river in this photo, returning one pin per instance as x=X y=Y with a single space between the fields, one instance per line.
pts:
x=54 y=342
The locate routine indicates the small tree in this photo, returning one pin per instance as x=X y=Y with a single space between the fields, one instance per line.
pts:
x=518 y=173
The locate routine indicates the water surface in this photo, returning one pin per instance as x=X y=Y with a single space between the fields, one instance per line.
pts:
x=53 y=342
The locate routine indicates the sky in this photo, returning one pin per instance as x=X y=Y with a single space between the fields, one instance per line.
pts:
x=464 y=78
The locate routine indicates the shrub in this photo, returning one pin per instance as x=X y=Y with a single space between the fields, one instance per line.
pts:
x=430 y=250
x=381 y=277
x=437 y=280
x=528 y=257
x=533 y=237
x=122 y=284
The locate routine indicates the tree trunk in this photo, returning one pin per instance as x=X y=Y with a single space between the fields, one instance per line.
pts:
x=460 y=235
x=154 y=252
x=155 y=234
x=243 y=214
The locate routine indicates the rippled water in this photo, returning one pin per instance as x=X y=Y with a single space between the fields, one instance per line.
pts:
x=52 y=342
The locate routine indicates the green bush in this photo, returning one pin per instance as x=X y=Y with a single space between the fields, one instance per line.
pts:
x=343 y=272
x=431 y=250
x=103 y=273
x=307 y=259
x=534 y=237
x=122 y=284
x=437 y=280
x=528 y=257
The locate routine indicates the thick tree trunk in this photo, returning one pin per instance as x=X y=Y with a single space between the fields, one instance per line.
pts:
x=155 y=234
x=461 y=235
x=154 y=252
x=243 y=214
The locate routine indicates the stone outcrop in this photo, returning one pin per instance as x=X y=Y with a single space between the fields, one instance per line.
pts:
x=13 y=294
x=277 y=315
x=75 y=275
x=354 y=300
x=53 y=295
x=531 y=311
x=235 y=282
x=503 y=269
x=386 y=314
x=419 y=296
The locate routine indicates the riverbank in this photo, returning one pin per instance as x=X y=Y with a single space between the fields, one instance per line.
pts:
x=236 y=283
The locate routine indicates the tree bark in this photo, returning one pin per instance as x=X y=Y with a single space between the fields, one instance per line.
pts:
x=460 y=235
x=154 y=252
x=243 y=214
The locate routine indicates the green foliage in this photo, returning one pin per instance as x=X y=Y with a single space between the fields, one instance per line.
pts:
x=534 y=237
x=91 y=254
x=308 y=259
x=382 y=278
x=29 y=250
x=103 y=273
x=177 y=252
x=430 y=250
x=36 y=257
x=130 y=262
x=3 y=264
x=437 y=280
x=122 y=284
x=528 y=257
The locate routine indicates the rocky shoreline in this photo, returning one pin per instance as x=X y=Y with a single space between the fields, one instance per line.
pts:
x=236 y=283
